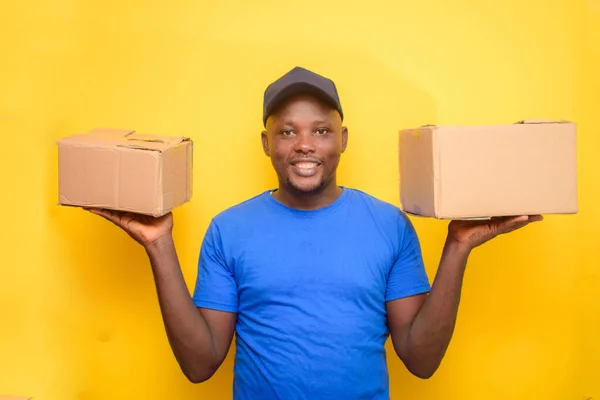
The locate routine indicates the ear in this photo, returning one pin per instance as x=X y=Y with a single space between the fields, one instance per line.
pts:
x=265 y=142
x=344 y=138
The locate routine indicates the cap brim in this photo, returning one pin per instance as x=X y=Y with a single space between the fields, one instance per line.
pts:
x=295 y=89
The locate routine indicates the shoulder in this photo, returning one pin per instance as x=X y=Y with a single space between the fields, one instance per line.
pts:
x=387 y=215
x=242 y=213
x=231 y=222
x=242 y=209
x=380 y=208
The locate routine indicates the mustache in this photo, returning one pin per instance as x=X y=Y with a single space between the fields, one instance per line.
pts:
x=296 y=160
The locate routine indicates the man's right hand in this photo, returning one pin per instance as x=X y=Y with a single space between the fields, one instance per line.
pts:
x=145 y=229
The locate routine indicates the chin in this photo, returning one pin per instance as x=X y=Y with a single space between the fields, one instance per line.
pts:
x=307 y=187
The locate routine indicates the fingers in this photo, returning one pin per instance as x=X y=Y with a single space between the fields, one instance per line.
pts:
x=529 y=218
x=513 y=223
x=509 y=220
x=515 y=226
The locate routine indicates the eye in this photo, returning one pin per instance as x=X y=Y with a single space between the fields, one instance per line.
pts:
x=287 y=132
x=322 y=131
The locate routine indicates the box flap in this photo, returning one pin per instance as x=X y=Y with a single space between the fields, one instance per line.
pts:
x=124 y=138
x=151 y=142
x=142 y=137
x=523 y=121
x=542 y=121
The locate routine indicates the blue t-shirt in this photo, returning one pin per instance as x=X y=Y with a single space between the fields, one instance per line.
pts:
x=310 y=288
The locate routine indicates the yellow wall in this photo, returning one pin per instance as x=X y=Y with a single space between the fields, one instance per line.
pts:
x=78 y=312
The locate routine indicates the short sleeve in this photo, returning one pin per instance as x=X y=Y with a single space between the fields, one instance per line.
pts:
x=215 y=285
x=407 y=276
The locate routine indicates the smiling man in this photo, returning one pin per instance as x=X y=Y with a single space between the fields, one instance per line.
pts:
x=312 y=277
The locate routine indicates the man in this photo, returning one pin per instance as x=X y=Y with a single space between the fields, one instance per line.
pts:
x=312 y=276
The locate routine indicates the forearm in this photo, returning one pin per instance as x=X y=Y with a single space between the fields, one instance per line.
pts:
x=187 y=331
x=432 y=329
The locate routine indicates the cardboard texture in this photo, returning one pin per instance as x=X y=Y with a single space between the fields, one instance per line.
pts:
x=124 y=170
x=479 y=172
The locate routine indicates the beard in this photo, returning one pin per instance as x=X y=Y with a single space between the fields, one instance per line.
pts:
x=312 y=190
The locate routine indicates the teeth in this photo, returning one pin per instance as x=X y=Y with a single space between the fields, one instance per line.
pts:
x=306 y=165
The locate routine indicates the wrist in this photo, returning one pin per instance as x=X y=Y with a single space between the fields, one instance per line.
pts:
x=457 y=247
x=158 y=246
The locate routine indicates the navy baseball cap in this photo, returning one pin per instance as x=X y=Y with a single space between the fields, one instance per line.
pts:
x=300 y=80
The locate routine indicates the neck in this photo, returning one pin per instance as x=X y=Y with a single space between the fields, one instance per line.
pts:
x=308 y=201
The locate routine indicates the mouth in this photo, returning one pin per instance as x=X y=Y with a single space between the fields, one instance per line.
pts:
x=305 y=168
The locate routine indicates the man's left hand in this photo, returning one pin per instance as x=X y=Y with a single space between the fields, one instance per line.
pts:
x=470 y=234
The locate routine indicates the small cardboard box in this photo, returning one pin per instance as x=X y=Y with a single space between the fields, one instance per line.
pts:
x=473 y=172
x=124 y=170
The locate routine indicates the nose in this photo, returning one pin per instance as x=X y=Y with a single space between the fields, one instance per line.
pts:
x=305 y=143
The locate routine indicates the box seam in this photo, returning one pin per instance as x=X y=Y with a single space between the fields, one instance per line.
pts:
x=161 y=190
x=436 y=156
x=119 y=181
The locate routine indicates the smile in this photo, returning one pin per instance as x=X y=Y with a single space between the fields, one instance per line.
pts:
x=305 y=168
x=306 y=165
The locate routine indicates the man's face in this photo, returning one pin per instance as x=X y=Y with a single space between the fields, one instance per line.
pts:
x=304 y=139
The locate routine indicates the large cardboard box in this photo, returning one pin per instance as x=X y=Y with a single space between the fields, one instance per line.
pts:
x=471 y=172
x=124 y=170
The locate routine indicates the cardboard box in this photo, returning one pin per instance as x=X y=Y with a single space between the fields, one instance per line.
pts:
x=9 y=397
x=472 y=172
x=124 y=170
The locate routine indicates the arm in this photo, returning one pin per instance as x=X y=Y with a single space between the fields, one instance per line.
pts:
x=200 y=338
x=421 y=326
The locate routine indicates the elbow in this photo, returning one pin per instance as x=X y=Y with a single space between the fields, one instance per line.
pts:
x=423 y=371
x=197 y=378
x=421 y=364
x=199 y=375
x=423 y=374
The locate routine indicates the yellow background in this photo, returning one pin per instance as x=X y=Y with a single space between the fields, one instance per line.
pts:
x=78 y=312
